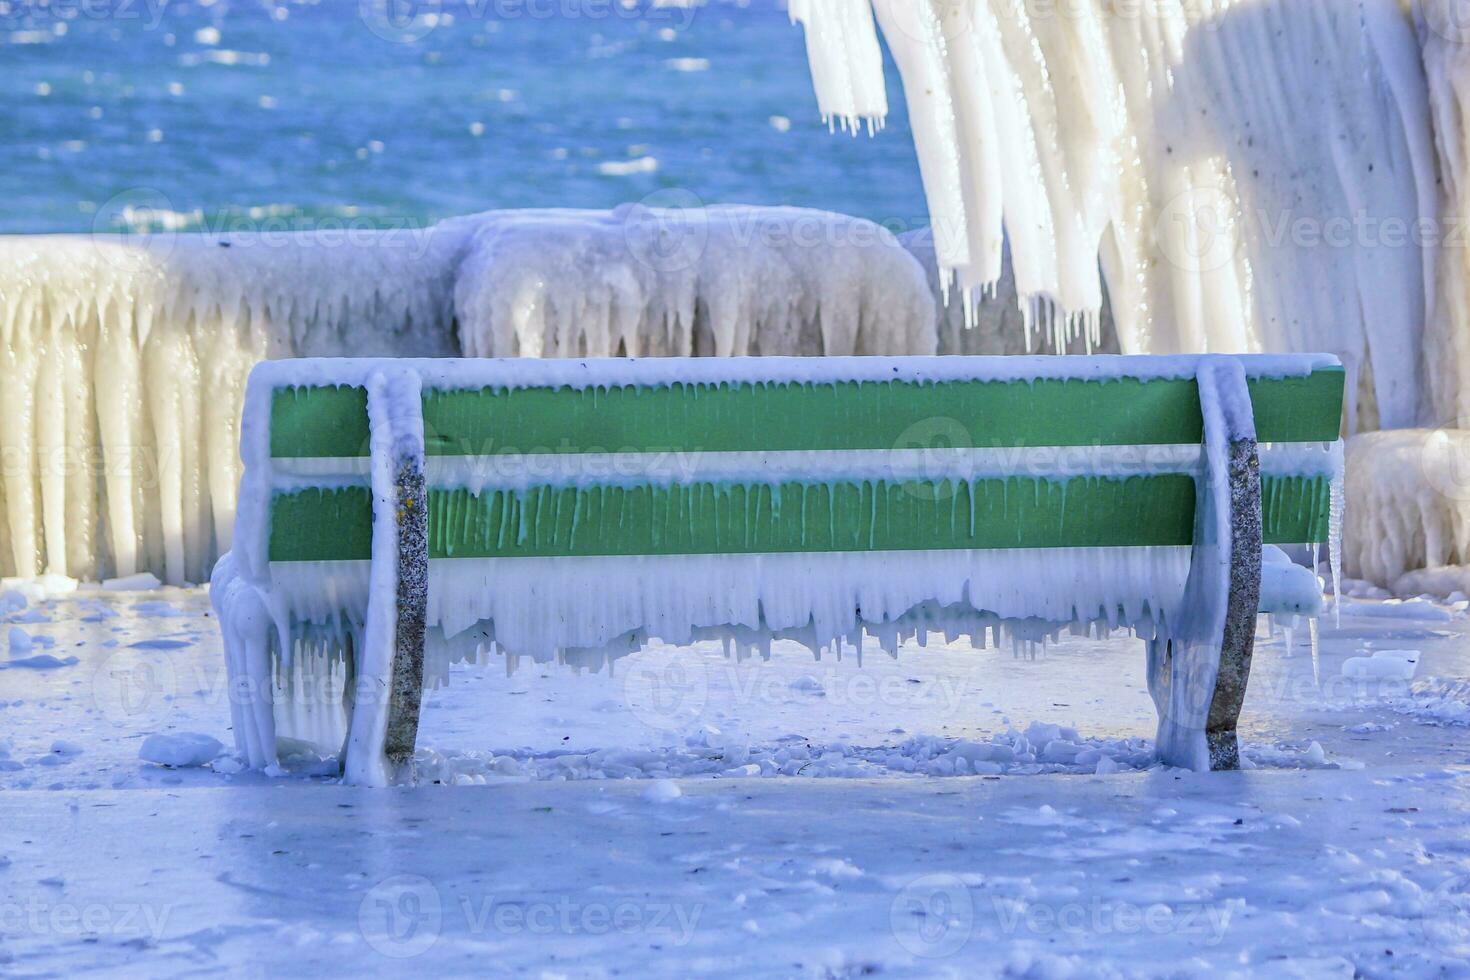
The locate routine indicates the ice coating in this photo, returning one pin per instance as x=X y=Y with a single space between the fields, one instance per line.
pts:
x=1410 y=504
x=125 y=357
x=719 y=281
x=1444 y=37
x=395 y=408
x=846 y=61
x=126 y=362
x=298 y=622
x=1234 y=165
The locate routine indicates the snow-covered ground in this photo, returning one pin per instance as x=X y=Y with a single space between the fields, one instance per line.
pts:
x=994 y=815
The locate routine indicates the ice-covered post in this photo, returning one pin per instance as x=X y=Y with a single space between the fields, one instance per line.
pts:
x=390 y=668
x=1243 y=468
x=1198 y=672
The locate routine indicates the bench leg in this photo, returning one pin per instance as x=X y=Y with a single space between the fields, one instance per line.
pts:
x=413 y=602
x=1243 y=602
x=389 y=663
x=1199 y=667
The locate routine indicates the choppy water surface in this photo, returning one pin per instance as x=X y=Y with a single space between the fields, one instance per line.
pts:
x=257 y=115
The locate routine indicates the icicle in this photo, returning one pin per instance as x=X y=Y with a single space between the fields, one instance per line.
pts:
x=125 y=359
x=1115 y=141
x=1334 y=535
x=1316 y=662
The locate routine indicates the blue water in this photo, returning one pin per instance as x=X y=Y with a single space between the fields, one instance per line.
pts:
x=320 y=116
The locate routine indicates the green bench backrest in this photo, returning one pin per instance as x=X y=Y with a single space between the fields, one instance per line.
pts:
x=633 y=516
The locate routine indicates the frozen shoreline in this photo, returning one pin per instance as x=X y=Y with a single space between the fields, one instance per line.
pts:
x=1350 y=844
x=1151 y=874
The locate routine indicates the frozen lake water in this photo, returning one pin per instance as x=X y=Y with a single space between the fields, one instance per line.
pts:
x=222 y=117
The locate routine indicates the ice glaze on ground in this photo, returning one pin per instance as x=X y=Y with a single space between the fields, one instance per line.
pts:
x=1054 y=847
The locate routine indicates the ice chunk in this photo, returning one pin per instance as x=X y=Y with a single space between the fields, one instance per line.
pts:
x=1288 y=588
x=662 y=791
x=140 y=582
x=180 y=750
x=1395 y=665
x=41 y=661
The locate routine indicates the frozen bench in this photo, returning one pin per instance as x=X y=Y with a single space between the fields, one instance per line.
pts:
x=399 y=515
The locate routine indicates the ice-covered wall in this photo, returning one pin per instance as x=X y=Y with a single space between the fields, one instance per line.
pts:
x=1408 y=495
x=124 y=358
x=1444 y=34
x=1249 y=173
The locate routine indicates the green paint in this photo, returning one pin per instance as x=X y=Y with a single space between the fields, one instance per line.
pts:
x=307 y=423
x=1295 y=509
x=312 y=422
x=322 y=525
x=713 y=519
x=810 y=417
x=862 y=415
x=1302 y=409
x=707 y=518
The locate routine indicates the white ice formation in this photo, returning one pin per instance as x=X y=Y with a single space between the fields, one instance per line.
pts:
x=125 y=357
x=124 y=371
x=720 y=281
x=1002 y=324
x=1444 y=34
x=1409 y=505
x=1250 y=174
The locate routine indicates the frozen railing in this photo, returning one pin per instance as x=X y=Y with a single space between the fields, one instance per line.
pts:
x=126 y=355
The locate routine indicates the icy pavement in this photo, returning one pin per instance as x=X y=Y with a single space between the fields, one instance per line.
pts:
x=952 y=812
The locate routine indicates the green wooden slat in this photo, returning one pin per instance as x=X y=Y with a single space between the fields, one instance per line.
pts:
x=1295 y=509
x=307 y=423
x=322 y=525
x=709 y=519
x=314 y=422
x=328 y=525
x=867 y=415
x=1302 y=409
x=807 y=417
